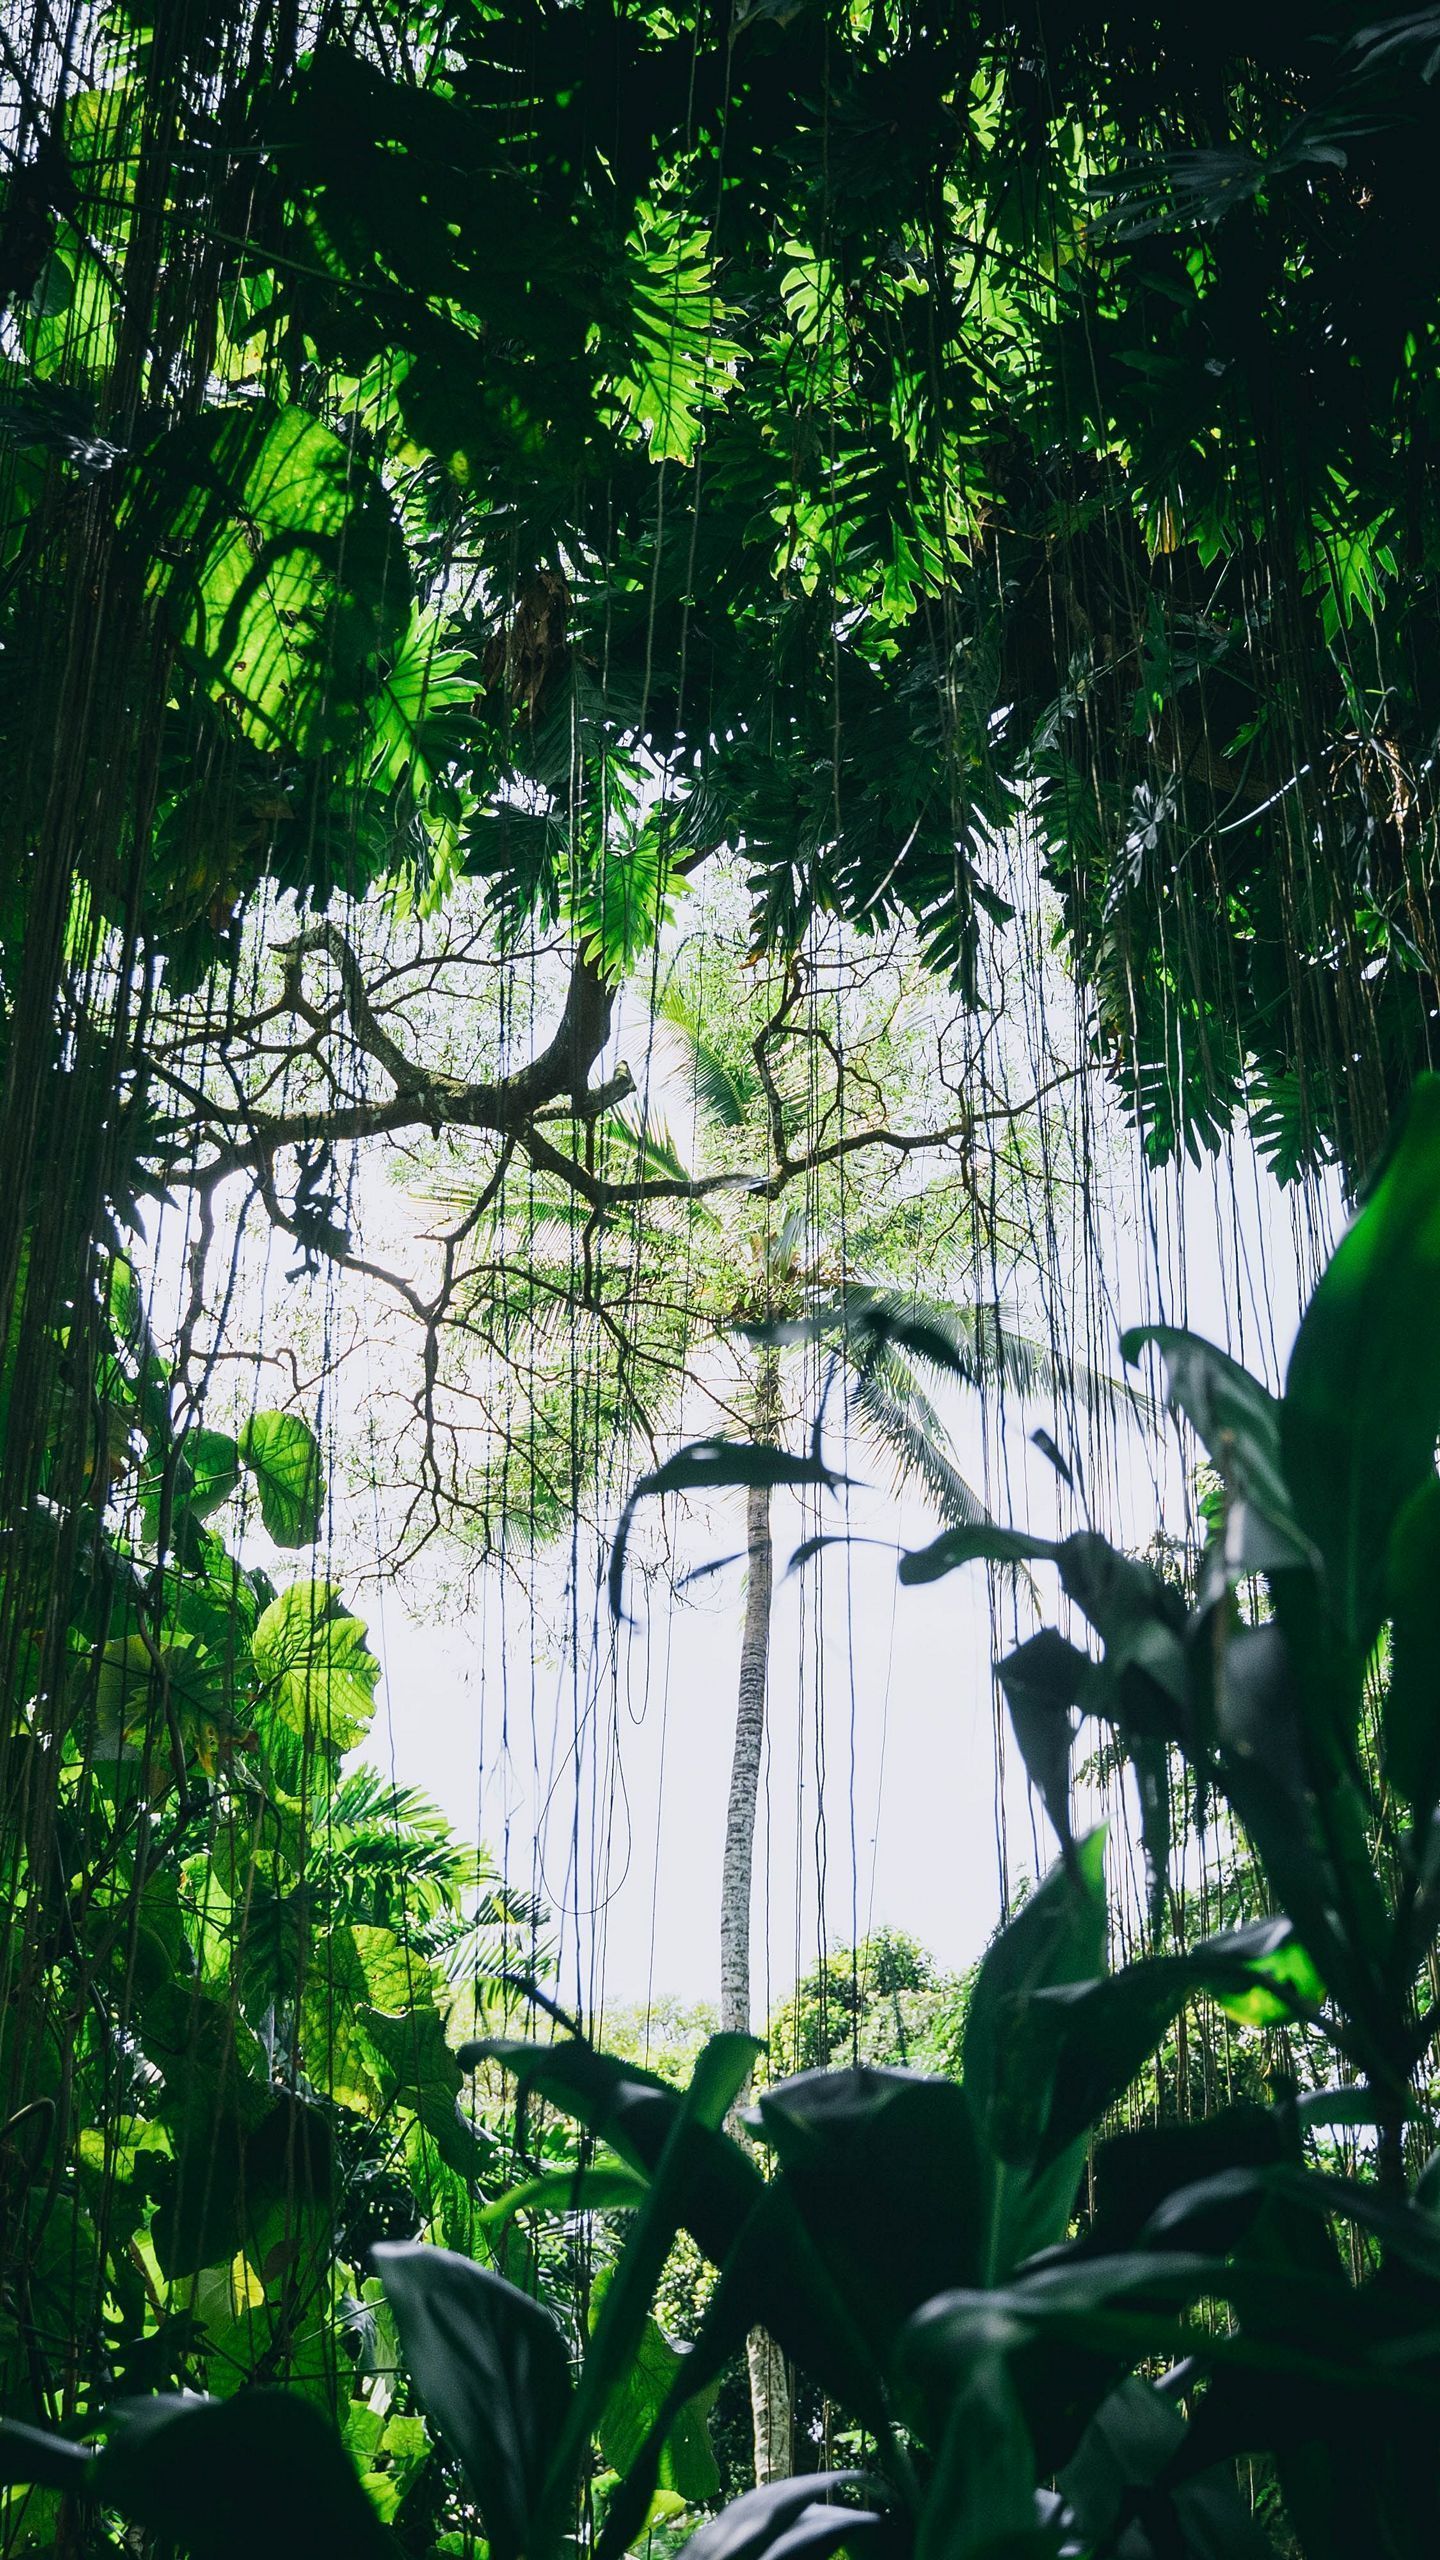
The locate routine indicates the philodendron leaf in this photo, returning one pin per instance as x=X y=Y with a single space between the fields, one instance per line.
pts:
x=275 y=552
x=641 y=2393
x=183 y=2468
x=805 y=2516
x=203 y=1471
x=283 y=1455
x=491 y=2369
x=418 y=717
x=1361 y=1413
x=316 y=1666
x=31 y=2457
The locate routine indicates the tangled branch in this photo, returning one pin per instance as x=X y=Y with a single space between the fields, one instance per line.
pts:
x=523 y=1109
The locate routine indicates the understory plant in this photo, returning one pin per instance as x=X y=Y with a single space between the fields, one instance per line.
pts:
x=228 y=1947
x=1036 y=2335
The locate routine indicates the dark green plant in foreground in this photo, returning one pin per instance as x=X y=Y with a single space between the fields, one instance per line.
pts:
x=1042 y=2343
x=229 y=1954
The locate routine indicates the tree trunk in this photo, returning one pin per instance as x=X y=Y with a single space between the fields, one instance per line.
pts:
x=770 y=2413
x=769 y=2376
x=737 y=1878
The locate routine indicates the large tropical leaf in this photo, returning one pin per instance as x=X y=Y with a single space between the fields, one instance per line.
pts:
x=283 y=1455
x=1361 y=1411
x=275 y=553
x=318 y=1671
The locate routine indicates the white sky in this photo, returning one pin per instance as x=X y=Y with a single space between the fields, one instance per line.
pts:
x=617 y=1813
x=598 y=1772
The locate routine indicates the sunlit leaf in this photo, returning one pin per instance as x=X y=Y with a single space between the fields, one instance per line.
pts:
x=276 y=555
x=283 y=1455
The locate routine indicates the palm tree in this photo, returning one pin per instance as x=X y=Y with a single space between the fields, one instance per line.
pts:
x=773 y=1287
x=892 y=1411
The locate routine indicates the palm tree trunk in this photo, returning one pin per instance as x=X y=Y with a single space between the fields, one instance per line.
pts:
x=737 y=1878
x=769 y=2376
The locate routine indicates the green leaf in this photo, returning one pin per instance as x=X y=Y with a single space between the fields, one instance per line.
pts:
x=772 y=2276
x=1058 y=1936
x=276 y=554
x=204 y=1470
x=804 y=2516
x=636 y=2113
x=1044 y=1680
x=418 y=722
x=317 y=1669
x=1237 y=1421
x=32 y=2456
x=179 y=2467
x=360 y=1986
x=103 y=132
x=883 y=2168
x=283 y=1455
x=140 y=1689
x=233 y=2166
x=1092 y=2038
x=722 y=2068
x=1133 y=2434
x=1362 y=1395
x=419 y=2066
x=712 y=1466
x=213 y=1458
x=681 y=364
x=491 y=2369
x=975 y=1542
x=981 y=2498
x=617 y=916
x=1281 y=1983
x=688 y=2465
x=1411 y=1709
x=607 y=2186
x=70 y=320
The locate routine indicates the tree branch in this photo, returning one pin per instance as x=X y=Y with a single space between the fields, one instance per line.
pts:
x=556 y=1083
x=554 y=1087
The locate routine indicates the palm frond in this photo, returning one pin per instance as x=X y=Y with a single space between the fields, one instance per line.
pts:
x=647 y=1145
x=725 y=1094
x=899 y=1422
x=489 y=1946
x=990 y=1348
x=387 y=1851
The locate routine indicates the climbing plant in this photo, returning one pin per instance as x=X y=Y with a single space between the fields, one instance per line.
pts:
x=876 y=428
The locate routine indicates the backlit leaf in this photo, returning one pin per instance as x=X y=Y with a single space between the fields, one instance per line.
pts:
x=276 y=555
